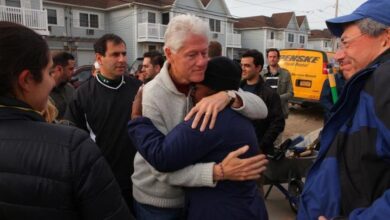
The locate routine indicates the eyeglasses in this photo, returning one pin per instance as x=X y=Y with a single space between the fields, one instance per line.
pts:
x=345 y=43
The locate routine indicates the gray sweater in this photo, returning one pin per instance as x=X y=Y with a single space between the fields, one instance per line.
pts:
x=167 y=107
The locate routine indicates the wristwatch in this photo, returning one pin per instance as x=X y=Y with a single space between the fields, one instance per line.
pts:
x=231 y=96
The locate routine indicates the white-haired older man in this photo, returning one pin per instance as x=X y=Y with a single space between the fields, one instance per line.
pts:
x=166 y=102
x=351 y=177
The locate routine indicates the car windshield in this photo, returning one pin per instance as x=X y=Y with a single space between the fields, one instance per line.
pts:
x=136 y=66
x=84 y=75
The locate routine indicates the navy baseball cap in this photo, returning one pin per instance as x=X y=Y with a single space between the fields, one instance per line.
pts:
x=377 y=10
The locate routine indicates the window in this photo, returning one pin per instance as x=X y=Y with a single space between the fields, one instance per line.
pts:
x=326 y=44
x=13 y=3
x=215 y=25
x=165 y=18
x=89 y=20
x=55 y=16
x=151 y=17
x=94 y=21
x=290 y=37
x=52 y=16
x=90 y=32
x=301 y=39
x=84 y=21
x=272 y=35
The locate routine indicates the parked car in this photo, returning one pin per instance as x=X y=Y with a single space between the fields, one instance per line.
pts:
x=136 y=66
x=81 y=74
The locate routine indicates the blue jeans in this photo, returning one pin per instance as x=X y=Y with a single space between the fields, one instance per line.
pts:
x=148 y=212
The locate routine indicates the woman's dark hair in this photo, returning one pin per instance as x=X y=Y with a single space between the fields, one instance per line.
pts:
x=20 y=49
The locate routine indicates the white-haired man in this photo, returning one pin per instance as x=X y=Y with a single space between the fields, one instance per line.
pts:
x=351 y=177
x=166 y=101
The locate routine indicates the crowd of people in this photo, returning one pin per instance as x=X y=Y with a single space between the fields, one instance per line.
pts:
x=189 y=138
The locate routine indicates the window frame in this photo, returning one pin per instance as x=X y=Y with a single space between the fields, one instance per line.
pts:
x=213 y=24
x=13 y=1
x=163 y=18
x=59 y=16
x=272 y=35
x=90 y=20
x=77 y=19
x=81 y=24
x=302 y=37
x=292 y=37
x=48 y=17
x=154 y=17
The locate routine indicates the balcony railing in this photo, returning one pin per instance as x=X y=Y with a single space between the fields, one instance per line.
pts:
x=151 y=32
x=295 y=45
x=273 y=43
x=32 y=18
x=233 y=40
x=328 y=49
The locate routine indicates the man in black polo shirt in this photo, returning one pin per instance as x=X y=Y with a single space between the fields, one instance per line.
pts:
x=102 y=106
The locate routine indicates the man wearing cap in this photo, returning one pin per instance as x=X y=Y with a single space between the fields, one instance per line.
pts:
x=351 y=177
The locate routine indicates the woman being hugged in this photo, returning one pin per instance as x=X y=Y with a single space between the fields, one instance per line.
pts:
x=183 y=146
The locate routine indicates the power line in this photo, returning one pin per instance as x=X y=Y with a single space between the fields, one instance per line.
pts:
x=275 y=1
x=277 y=8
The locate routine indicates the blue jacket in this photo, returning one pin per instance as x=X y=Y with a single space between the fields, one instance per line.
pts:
x=184 y=146
x=351 y=176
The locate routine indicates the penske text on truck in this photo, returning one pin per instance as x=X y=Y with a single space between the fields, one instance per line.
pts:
x=308 y=70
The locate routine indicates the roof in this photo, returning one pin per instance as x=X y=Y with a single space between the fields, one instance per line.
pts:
x=205 y=2
x=300 y=20
x=318 y=34
x=256 y=21
x=111 y=3
x=277 y=20
x=104 y=4
x=281 y=20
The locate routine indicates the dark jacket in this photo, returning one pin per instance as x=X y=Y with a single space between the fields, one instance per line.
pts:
x=268 y=129
x=62 y=95
x=351 y=176
x=50 y=171
x=285 y=88
x=185 y=146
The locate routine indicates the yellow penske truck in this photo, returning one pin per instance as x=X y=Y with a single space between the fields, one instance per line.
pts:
x=309 y=70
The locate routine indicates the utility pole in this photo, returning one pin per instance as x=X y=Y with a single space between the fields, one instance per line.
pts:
x=336 y=15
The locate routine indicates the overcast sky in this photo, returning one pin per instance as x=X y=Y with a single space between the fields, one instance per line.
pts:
x=317 y=11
